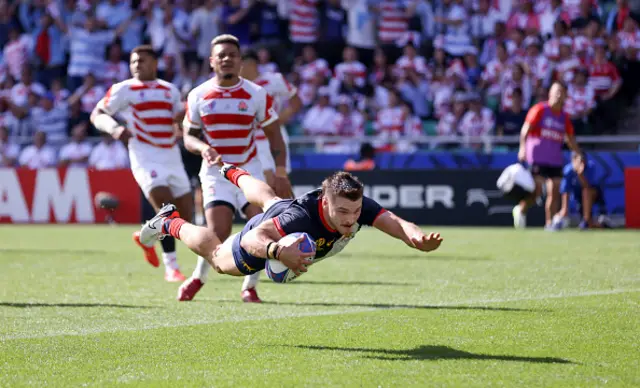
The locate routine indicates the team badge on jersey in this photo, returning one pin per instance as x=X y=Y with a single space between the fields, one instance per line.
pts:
x=167 y=94
x=154 y=174
x=242 y=106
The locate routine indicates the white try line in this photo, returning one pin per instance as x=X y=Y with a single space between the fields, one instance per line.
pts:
x=480 y=302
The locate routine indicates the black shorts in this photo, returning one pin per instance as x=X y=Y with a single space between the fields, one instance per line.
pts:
x=546 y=171
x=246 y=262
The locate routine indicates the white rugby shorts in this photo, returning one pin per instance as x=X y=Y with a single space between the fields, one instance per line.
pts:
x=156 y=167
x=216 y=189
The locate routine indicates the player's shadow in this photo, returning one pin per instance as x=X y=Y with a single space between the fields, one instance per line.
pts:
x=38 y=304
x=434 y=353
x=351 y=283
x=420 y=256
x=398 y=306
x=54 y=251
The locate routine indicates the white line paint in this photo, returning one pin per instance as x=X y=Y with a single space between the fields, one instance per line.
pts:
x=84 y=332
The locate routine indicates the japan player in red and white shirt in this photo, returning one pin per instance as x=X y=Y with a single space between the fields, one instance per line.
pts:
x=285 y=101
x=151 y=107
x=219 y=124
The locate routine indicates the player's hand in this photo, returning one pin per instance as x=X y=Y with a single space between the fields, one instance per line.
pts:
x=123 y=135
x=283 y=187
x=293 y=258
x=521 y=155
x=211 y=156
x=426 y=243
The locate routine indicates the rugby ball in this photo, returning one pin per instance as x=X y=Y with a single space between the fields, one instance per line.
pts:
x=279 y=272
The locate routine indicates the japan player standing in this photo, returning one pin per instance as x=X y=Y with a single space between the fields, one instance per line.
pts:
x=151 y=107
x=219 y=121
x=283 y=93
x=285 y=101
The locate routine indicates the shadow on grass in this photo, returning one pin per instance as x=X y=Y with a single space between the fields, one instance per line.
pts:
x=54 y=251
x=38 y=304
x=417 y=256
x=330 y=283
x=390 y=306
x=433 y=353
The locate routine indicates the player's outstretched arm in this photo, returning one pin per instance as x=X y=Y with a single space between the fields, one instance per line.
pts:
x=262 y=242
x=407 y=231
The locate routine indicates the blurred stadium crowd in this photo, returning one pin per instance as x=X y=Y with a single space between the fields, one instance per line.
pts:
x=395 y=69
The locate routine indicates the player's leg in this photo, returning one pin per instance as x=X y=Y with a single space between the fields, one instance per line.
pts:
x=158 y=196
x=219 y=197
x=553 y=199
x=248 y=293
x=520 y=210
x=200 y=240
x=255 y=191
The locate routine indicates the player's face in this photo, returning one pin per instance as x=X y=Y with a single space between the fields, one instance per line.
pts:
x=225 y=60
x=249 y=67
x=556 y=94
x=343 y=213
x=142 y=66
x=577 y=162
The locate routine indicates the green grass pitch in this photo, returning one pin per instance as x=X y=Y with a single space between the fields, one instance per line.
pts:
x=493 y=307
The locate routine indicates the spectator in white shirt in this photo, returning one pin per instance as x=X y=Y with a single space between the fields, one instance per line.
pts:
x=39 y=154
x=477 y=122
x=9 y=151
x=484 y=21
x=76 y=153
x=16 y=52
x=319 y=120
x=109 y=154
x=20 y=92
x=50 y=119
x=265 y=65
x=205 y=24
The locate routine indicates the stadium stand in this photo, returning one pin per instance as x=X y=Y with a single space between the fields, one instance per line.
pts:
x=405 y=74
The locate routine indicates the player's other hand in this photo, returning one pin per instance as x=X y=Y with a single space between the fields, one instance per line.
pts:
x=293 y=258
x=211 y=156
x=427 y=243
x=521 y=155
x=283 y=187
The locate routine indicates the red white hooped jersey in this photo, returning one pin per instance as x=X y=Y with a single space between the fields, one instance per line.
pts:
x=355 y=69
x=493 y=74
x=580 y=100
x=227 y=115
x=149 y=107
x=393 y=23
x=277 y=87
x=477 y=124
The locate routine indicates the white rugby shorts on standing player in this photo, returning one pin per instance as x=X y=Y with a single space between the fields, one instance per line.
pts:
x=154 y=167
x=216 y=189
x=264 y=152
x=149 y=108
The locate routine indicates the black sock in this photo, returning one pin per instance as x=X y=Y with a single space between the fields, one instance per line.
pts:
x=168 y=244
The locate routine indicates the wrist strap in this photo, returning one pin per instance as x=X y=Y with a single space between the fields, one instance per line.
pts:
x=269 y=253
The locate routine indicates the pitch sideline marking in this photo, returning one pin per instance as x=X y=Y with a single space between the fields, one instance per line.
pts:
x=322 y=313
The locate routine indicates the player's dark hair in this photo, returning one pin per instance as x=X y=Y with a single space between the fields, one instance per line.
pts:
x=145 y=49
x=225 y=38
x=250 y=54
x=343 y=184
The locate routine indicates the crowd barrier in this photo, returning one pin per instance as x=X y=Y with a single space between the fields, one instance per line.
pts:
x=449 y=189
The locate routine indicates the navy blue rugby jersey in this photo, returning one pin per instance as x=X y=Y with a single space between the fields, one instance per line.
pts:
x=304 y=215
